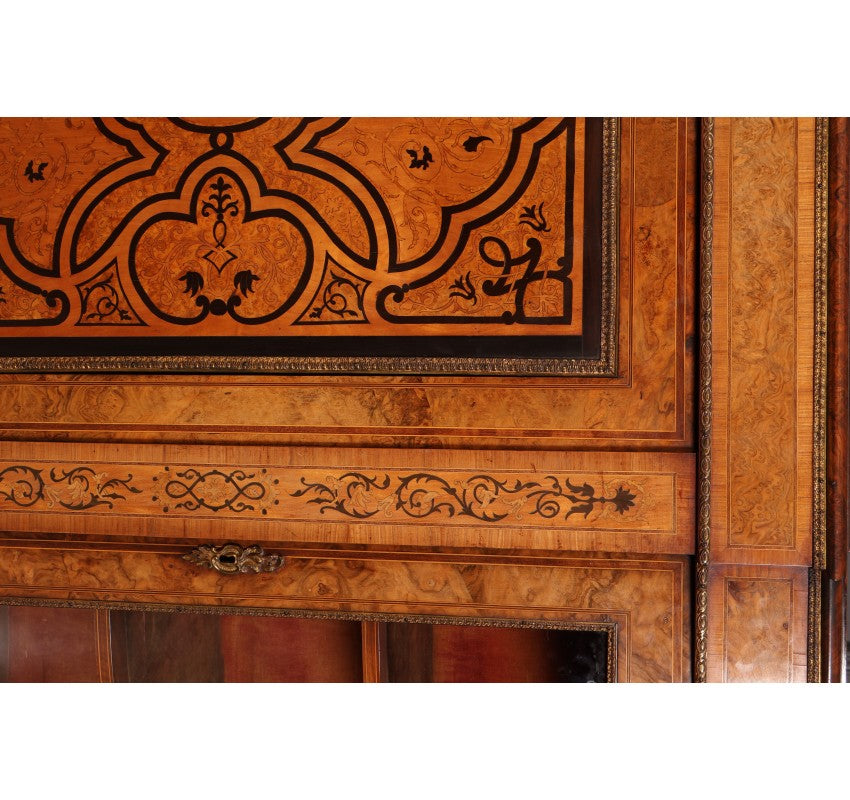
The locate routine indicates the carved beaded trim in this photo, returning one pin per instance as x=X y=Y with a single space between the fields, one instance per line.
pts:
x=705 y=356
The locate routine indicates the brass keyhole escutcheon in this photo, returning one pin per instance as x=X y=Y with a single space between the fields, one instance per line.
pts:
x=231 y=558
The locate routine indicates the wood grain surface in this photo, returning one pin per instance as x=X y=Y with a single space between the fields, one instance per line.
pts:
x=39 y=645
x=647 y=600
x=373 y=638
x=763 y=341
x=629 y=502
x=472 y=654
x=758 y=628
x=838 y=352
x=324 y=227
x=648 y=405
x=834 y=655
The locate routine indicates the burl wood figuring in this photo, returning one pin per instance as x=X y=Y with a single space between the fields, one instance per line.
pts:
x=360 y=245
x=418 y=399
x=767 y=400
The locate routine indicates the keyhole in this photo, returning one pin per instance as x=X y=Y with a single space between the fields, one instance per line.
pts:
x=227 y=559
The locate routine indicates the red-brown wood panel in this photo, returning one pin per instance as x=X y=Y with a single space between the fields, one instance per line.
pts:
x=180 y=647
x=472 y=654
x=291 y=650
x=40 y=645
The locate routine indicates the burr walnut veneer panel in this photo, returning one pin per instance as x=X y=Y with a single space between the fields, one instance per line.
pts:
x=648 y=403
x=763 y=311
x=645 y=602
x=760 y=630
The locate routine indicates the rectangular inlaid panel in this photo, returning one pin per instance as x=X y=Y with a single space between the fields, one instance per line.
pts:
x=763 y=350
x=329 y=244
x=602 y=502
x=758 y=625
x=646 y=601
x=647 y=404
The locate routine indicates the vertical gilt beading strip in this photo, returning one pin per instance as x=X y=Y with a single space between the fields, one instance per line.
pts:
x=704 y=464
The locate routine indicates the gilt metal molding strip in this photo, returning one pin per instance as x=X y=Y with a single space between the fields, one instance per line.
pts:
x=704 y=404
x=821 y=292
x=820 y=344
x=813 y=637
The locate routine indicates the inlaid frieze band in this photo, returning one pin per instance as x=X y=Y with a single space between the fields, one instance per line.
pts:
x=617 y=501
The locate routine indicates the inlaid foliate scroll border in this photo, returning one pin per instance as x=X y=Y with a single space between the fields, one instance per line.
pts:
x=606 y=365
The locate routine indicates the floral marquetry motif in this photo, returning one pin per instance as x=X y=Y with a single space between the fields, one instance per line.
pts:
x=605 y=508
x=481 y=497
x=213 y=490
x=76 y=488
x=424 y=245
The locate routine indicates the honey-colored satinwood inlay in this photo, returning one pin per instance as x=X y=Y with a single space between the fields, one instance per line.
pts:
x=292 y=494
x=605 y=503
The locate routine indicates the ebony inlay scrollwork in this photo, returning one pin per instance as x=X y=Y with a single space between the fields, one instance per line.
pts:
x=349 y=494
x=481 y=497
x=35 y=174
x=22 y=486
x=214 y=490
x=77 y=489
x=104 y=302
x=533 y=217
x=472 y=142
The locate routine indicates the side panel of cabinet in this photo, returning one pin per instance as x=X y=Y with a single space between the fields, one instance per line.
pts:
x=763 y=349
x=767 y=406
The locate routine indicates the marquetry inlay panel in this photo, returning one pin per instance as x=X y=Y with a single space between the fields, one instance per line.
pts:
x=331 y=244
x=625 y=502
